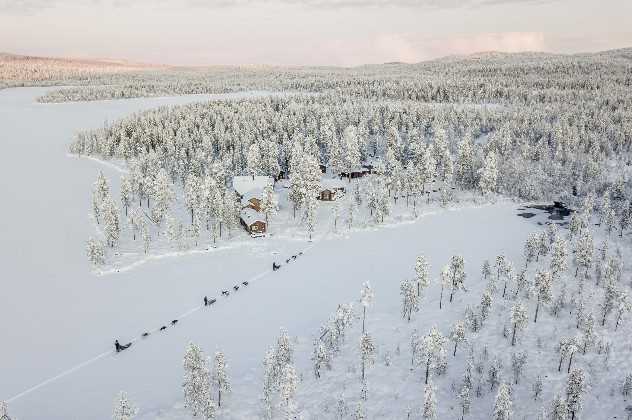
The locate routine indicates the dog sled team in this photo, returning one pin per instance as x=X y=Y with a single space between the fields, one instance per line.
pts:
x=118 y=347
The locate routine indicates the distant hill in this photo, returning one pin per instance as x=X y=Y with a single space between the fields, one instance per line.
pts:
x=16 y=68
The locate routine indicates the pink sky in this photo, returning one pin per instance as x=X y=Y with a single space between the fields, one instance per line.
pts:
x=308 y=32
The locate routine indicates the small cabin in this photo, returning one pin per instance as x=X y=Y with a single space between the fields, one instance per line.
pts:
x=355 y=173
x=330 y=189
x=253 y=221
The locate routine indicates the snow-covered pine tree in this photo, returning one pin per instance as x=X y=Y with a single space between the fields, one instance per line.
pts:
x=559 y=409
x=410 y=299
x=518 y=320
x=522 y=284
x=457 y=334
x=111 y=222
x=219 y=376
x=457 y=274
x=101 y=187
x=367 y=353
x=531 y=248
x=4 y=411
x=623 y=306
x=486 y=270
x=95 y=250
x=351 y=145
x=559 y=257
x=575 y=388
x=625 y=218
x=123 y=408
x=174 y=231
x=193 y=194
x=489 y=174
x=543 y=244
x=321 y=357
x=446 y=281
x=429 y=410
x=584 y=251
x=567 y=348
x=503 y=404
x=335 y=163
x=287 y=391
x=366 y=298
x=144 y=231
x=431 y=352
x=310 y=215
x=100 y=193
x=537 y=387
x=609 y=299
x=270 y=382
x=626 y=389
x=253 y=160
x=422 y=273
x=588 y=331
x=465 y=399
x=196 y=384
x=230 y=214
x=284 y=351
x=465 y=163
x=486 y=304
x=270 y=158
x=494 y=372
x=162 y=195
x=518 y=363
x=384 y=204
x=127 y=192
x=574 y=225
x=543 y=284
x=269 y=204
x=429 y=167
x=501 y=265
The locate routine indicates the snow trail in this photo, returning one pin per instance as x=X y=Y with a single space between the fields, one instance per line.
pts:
x=59 y=376
x=98 y=357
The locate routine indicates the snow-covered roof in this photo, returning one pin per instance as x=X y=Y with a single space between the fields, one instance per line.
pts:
x=254 y=193
x=331 y=184
x=356 y=169
x=251 y=216
x=243 y=184
x=372 y=161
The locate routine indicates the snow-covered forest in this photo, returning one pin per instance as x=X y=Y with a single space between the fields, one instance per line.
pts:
x=512 y=303
x=554 y=143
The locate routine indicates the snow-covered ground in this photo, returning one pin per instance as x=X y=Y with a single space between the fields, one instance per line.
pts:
x=57 y=314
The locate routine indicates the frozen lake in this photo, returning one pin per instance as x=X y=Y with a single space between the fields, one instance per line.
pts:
x=56 y=314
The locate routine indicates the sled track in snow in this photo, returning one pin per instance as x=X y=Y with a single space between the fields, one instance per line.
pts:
x=98 y=357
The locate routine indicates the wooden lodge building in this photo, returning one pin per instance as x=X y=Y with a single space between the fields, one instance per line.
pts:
x=331 y=189
x=253 y=221
x=249 y=191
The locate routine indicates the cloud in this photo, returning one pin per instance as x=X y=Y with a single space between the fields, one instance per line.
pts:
x=33 y=6
x=494 y=41
x=413 y=48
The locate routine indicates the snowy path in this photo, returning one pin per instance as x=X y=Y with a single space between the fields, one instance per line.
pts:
x=220 y=301
x=55 y=312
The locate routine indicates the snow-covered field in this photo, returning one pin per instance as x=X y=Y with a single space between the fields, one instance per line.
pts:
x=57 y=314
